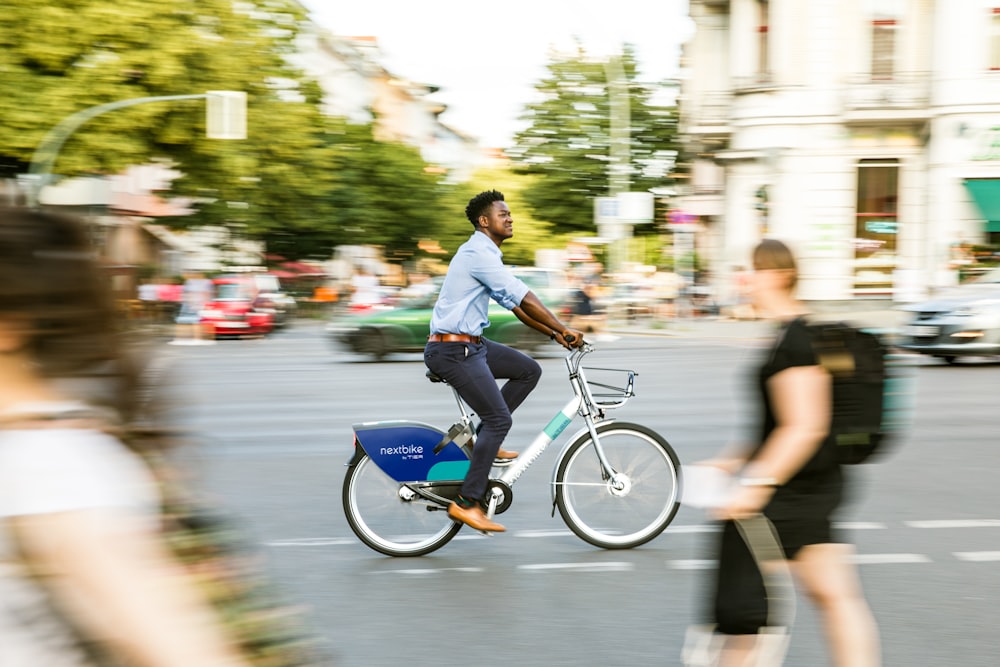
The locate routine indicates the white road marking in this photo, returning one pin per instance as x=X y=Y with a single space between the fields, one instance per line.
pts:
x=429 y=570
x=860 y=525
x=692 y=564
x=613 y=566
x=695 y=528
x=314 y=542
x=955 y=523
x=889 y=559
x=542 y=533
x=977 y=556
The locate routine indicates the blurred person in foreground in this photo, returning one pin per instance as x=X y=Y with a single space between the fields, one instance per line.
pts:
x=791 y=475
x=457 y=351
x=84 y=571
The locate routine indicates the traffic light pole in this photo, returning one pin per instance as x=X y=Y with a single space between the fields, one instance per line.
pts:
x=44 y=158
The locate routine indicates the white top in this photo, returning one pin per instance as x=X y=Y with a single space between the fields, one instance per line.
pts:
x=57 y=469
x=366 y=288
x=48 y=470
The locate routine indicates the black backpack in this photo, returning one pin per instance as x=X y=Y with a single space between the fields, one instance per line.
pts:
x=872 y=389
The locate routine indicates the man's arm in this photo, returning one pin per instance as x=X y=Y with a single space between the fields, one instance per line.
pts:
x=534 y=314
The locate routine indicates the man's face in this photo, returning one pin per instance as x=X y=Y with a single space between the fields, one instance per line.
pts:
x=497 y=223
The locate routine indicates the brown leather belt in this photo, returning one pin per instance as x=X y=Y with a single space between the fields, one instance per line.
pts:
x=453 y=338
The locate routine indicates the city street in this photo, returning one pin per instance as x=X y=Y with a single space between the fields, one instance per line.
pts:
x=275 y=415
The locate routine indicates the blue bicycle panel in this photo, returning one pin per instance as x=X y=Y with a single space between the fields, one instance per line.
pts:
x=404 y=450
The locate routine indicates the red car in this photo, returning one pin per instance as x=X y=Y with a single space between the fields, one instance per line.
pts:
x=233 y=309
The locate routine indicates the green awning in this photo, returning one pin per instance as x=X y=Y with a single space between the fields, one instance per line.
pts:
x=986 y=193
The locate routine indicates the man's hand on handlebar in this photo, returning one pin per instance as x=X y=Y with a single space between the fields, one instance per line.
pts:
x=569 y=338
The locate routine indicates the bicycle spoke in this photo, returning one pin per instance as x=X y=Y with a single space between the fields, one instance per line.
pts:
x=385 y=521
x=639 y=500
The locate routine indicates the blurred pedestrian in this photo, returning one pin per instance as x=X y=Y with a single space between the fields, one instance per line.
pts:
x=365 y=287
x=83 y=568
x=790 y=475
x=196 y=294
x=586 y=314
x=457 y=351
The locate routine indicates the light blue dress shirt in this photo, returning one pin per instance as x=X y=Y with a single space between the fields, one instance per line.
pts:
x=476 y=274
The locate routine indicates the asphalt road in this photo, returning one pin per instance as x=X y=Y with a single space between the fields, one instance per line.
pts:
x=275 y=419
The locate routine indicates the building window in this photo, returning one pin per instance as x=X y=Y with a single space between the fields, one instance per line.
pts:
x=883 y=48
x=995 y=39
x=876 y=225
x=763 y=30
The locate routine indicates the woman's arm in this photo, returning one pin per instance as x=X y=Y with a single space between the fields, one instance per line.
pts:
x=117 y=581
x=801 y=399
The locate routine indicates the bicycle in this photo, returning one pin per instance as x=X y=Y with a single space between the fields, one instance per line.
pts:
x=616 y=484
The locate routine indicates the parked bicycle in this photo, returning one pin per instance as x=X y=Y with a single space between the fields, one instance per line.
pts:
x=616 y=484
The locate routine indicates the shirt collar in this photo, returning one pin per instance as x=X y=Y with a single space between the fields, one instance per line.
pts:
x=485 y=242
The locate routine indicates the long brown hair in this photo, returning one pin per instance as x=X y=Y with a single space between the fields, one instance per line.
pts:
x=53 y=289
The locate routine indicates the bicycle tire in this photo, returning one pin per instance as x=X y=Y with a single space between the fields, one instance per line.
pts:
x=630 y=508
x=385 y=521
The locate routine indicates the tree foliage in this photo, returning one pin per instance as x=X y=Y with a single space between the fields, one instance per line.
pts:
x=301 y=181
x=568 y=141
x=59 y=58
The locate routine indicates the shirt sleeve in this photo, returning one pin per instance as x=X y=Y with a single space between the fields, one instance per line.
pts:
x=795 y=348
x=504 y=287
x=45 y=471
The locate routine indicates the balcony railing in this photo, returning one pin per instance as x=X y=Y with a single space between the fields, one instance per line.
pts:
x=754 y=83
x=903 y=92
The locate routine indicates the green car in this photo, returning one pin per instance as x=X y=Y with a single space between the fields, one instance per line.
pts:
x=404 y=327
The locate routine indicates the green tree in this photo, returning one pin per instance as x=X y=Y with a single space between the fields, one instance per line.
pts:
x=568 y=141
x=384 y=193
x=301 y=181
x=59 y=58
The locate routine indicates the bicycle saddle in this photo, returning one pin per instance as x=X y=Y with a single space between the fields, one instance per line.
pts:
x=434 y=377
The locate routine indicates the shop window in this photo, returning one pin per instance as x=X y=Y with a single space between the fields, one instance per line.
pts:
x=995 y=39
x=883 y=48
x=876 y=226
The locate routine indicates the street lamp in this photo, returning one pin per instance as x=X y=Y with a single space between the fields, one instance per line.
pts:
x=225 y=119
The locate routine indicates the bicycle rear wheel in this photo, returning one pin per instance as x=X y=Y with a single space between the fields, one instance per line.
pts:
x=390 y=518
x=629 y=507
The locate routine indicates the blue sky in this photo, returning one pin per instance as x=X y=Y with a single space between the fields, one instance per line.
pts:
x=486 y=57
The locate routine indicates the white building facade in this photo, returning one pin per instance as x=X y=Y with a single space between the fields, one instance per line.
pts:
x=866 y=133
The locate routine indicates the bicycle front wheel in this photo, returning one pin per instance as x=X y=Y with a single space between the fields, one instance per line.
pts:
x=628 y=505
x=390 y=518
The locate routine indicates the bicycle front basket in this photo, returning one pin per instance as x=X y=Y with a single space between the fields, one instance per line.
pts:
x=610 y=387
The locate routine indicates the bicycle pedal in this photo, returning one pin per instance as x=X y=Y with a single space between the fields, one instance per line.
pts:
x=502 y=463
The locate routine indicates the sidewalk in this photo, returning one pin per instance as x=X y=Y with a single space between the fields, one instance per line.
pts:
x=886 y=319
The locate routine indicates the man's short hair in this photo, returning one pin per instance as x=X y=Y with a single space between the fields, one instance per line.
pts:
x=480 y=205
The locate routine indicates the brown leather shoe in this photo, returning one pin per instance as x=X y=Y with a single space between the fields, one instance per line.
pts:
x=474 y=517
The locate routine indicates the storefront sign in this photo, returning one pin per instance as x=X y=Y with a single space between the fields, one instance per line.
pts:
x=881 y=226
x=988 y=144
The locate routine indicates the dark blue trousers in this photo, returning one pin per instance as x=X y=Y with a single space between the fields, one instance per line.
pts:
x=473 y=370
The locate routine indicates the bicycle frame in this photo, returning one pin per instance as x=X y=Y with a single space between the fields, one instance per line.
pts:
x=402 y=449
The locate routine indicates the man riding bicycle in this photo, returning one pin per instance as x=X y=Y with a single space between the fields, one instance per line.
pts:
x=470 y=363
